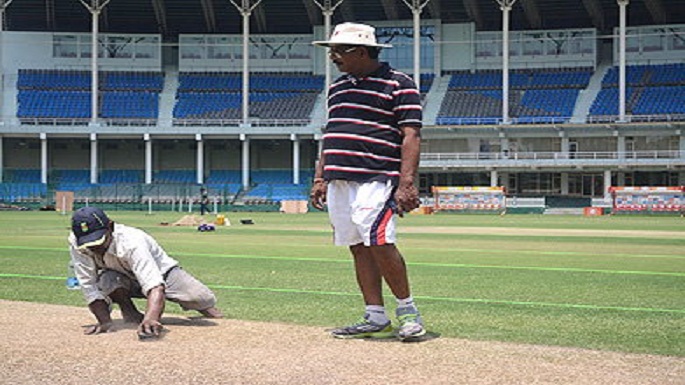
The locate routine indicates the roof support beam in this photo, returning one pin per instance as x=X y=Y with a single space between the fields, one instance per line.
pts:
x=434 y=9
x=657 y=10
x=347 y=11
x=160 y=14
x=594 y=9
x=50 y=14
x=390 y=9
x=530 y=9
x=210 y=15
x=473 y=11
x=260 y=19
x=313 y=12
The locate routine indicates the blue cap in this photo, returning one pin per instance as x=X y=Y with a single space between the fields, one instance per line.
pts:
x=90 y=226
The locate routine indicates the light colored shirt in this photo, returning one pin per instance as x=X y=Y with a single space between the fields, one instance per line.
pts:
x=132 y=252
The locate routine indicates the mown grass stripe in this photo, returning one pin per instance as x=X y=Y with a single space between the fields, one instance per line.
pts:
x=429 y=264
x=460 y=250
x=421 y=297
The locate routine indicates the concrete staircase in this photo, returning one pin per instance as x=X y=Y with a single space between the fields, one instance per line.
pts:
x=589 y=94
x=167 y=99
x=434 y=98
x=318 y=116
x=8 y=109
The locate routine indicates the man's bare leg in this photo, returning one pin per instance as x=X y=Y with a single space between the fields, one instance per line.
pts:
x=212 y=312
x=129 y=312
x=369 y=276
x=392 y=268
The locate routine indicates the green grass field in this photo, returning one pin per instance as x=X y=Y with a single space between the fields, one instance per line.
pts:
x=611 y=283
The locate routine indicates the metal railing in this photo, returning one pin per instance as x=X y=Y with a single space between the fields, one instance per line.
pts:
x=592 y=155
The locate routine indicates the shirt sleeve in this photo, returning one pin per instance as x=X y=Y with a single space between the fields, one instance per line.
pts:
x=144 y=266
x=408 y=109
x=87 y=275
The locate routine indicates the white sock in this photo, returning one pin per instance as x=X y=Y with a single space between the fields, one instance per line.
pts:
x=407 y=302
x=376 y=314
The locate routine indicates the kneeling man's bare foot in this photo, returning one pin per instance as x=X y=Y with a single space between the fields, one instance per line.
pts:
x=211 y=312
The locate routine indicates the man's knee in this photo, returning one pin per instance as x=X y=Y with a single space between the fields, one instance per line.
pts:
x=113 y=283
x=201 y=300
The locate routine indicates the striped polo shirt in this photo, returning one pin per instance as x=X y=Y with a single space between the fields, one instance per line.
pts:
x=363 y=140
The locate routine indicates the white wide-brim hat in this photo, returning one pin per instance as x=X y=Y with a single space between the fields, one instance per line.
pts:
x=353 y=34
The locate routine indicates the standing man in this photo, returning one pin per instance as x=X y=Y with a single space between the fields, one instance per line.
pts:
x=115 y=263
x=366 y=174
x=204 y=201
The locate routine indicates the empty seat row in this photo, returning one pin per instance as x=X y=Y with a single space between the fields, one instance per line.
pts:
x=575 y=78
x=189 y=82
x=81 y=80
x=641 y=101
x=647 y=75
x=77 y=104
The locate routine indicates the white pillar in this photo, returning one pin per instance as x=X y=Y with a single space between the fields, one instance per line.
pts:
x=504 y=145
x=246 y=160
x=3 y=5
x=296 y=158
x=327 y=9
x=494 y=182
x=148 y=158
x=416 y=13
x=621 y=146
x=682 y=146
x=200 y=162
x=564 y=183
x=94 y=67
x=327 y=14
x=2 y=164
x=93 y=158
x=43 y=158
x=506 y=10
x=245 y=10
x=564 y=146
x=246 y=67
x=623 y=5
x=607 y=185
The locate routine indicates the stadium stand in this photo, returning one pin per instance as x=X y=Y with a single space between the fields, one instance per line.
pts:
x=22 y=176
x=541 y=96
x=59 y=94
x=654 y=90
x=121 y=176
x=218 y=95
x=175 y=176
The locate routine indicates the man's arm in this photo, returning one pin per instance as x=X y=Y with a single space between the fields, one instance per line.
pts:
x=407 y=196
x=151 y=325
x=319 y=188
x=100 y=310
x=86 y=272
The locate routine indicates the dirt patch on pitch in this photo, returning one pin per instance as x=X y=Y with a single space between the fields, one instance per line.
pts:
x=44 y=344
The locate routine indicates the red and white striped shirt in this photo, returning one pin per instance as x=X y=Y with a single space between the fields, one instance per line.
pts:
x=363 y=140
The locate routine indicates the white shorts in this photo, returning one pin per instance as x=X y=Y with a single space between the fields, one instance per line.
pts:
x=361 y=212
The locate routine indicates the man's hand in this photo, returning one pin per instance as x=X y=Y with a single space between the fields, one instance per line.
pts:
x=318 y=194
x=98 y=329
x=407 y=198
x=149 y=329
x=100 y=310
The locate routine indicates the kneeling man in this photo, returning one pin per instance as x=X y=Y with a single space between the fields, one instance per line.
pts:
x=115 y=263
